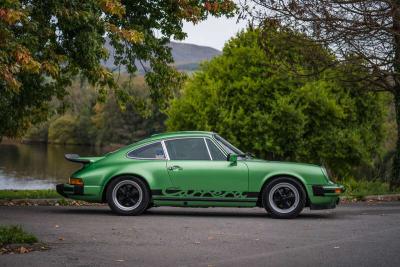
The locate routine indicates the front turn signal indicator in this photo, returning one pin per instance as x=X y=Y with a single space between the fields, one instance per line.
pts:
x=338 y=190
x=75 y=181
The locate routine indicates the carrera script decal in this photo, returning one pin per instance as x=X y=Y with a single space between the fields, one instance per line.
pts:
x=203 y=193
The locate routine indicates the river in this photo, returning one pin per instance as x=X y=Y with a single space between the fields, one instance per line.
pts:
x=38 y=166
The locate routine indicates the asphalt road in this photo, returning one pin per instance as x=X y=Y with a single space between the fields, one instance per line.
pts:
x=352 y=235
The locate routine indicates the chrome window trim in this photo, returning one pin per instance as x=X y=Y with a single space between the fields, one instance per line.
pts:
x=188 y=137
x=219 y=148
x=219 y=145
x=147 y=144
x=208 y=150
x=165 y=149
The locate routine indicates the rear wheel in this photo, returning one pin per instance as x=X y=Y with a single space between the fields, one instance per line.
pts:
x=149 y=206
x=284 y=198
x=128 y=196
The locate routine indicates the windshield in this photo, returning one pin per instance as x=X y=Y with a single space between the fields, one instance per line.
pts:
x=228 y=147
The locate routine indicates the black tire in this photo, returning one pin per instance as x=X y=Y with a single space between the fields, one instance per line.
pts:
x=284 y=198
x=151 y=205
x=128 y=196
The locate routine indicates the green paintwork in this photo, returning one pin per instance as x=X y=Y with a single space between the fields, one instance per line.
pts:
x=198 y=182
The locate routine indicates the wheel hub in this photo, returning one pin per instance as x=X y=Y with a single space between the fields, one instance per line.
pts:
x=127 y=195
x=284 y=197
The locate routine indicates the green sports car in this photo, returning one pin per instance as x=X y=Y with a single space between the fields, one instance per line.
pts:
x=197 y=169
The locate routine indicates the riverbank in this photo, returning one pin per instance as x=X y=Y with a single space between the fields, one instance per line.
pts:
x=29 y=194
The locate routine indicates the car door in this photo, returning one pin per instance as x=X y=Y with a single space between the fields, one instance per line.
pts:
x=194 y=173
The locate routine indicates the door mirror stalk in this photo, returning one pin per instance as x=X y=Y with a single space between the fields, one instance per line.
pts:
x=232 y=158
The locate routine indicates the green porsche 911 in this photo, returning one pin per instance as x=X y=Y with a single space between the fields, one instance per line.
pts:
x=197 y=169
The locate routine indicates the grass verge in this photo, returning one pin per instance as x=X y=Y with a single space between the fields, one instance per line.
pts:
x=14 y=234
x=359 y=189
x=29 y=194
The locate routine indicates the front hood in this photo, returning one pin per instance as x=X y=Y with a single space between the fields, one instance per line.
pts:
x=283 y=162
x=311 y=173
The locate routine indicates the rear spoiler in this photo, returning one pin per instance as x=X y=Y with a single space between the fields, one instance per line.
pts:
x=76 y=158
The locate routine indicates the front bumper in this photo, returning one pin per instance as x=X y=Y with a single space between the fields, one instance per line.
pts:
x=324 y=196
x=328 y=190
x=66 y=190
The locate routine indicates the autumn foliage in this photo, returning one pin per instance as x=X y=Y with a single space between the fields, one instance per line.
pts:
x=44 y=45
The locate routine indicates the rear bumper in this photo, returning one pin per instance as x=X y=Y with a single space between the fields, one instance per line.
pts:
x=67 y=190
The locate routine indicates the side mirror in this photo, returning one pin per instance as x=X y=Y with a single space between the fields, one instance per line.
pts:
x=232 y=158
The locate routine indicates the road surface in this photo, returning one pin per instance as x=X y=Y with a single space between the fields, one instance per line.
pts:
x=360 y=234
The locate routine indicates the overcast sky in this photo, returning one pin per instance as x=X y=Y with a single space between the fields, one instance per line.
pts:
x=213 y=32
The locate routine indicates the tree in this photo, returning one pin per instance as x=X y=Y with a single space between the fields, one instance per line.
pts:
x=367 y=30
x=45 y=44
x=85 y=121
x=250 y=98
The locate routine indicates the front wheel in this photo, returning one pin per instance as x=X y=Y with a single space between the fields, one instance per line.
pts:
x=284 y=198
x=128 y=196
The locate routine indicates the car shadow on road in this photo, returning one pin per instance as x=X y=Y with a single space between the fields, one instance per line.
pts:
x=183 y=212
x=84 y=211
x=230 y=214
x=347 y=212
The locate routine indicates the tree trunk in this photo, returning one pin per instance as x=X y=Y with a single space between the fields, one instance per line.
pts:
x=395 y=179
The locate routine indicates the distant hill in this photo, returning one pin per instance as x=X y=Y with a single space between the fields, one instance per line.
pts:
x=187 y=56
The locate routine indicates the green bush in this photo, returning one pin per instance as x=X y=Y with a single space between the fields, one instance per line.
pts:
x=254 y=100
x=15 y=235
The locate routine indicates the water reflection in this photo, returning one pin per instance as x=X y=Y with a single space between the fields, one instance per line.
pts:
x=38 y=166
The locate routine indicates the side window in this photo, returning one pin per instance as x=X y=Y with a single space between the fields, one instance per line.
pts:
x=152 y=151
x=216 y=154
x=187 y=149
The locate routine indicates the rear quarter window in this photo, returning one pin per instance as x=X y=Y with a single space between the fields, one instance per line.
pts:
x=152 y=151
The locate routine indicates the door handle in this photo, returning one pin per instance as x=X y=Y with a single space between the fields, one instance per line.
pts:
x=175 y=168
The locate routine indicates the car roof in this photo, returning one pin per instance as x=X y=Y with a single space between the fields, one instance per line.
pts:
x=161 y=136
x=167 y=135
x=179 y=134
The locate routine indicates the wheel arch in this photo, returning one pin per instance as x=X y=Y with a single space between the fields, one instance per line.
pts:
x=105 y=187
x=273 y=177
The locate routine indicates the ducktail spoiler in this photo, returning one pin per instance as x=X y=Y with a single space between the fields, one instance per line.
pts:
x=76 y=158
x=83 y=160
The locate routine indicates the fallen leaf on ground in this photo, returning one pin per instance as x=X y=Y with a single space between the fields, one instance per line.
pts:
x=23 y=250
